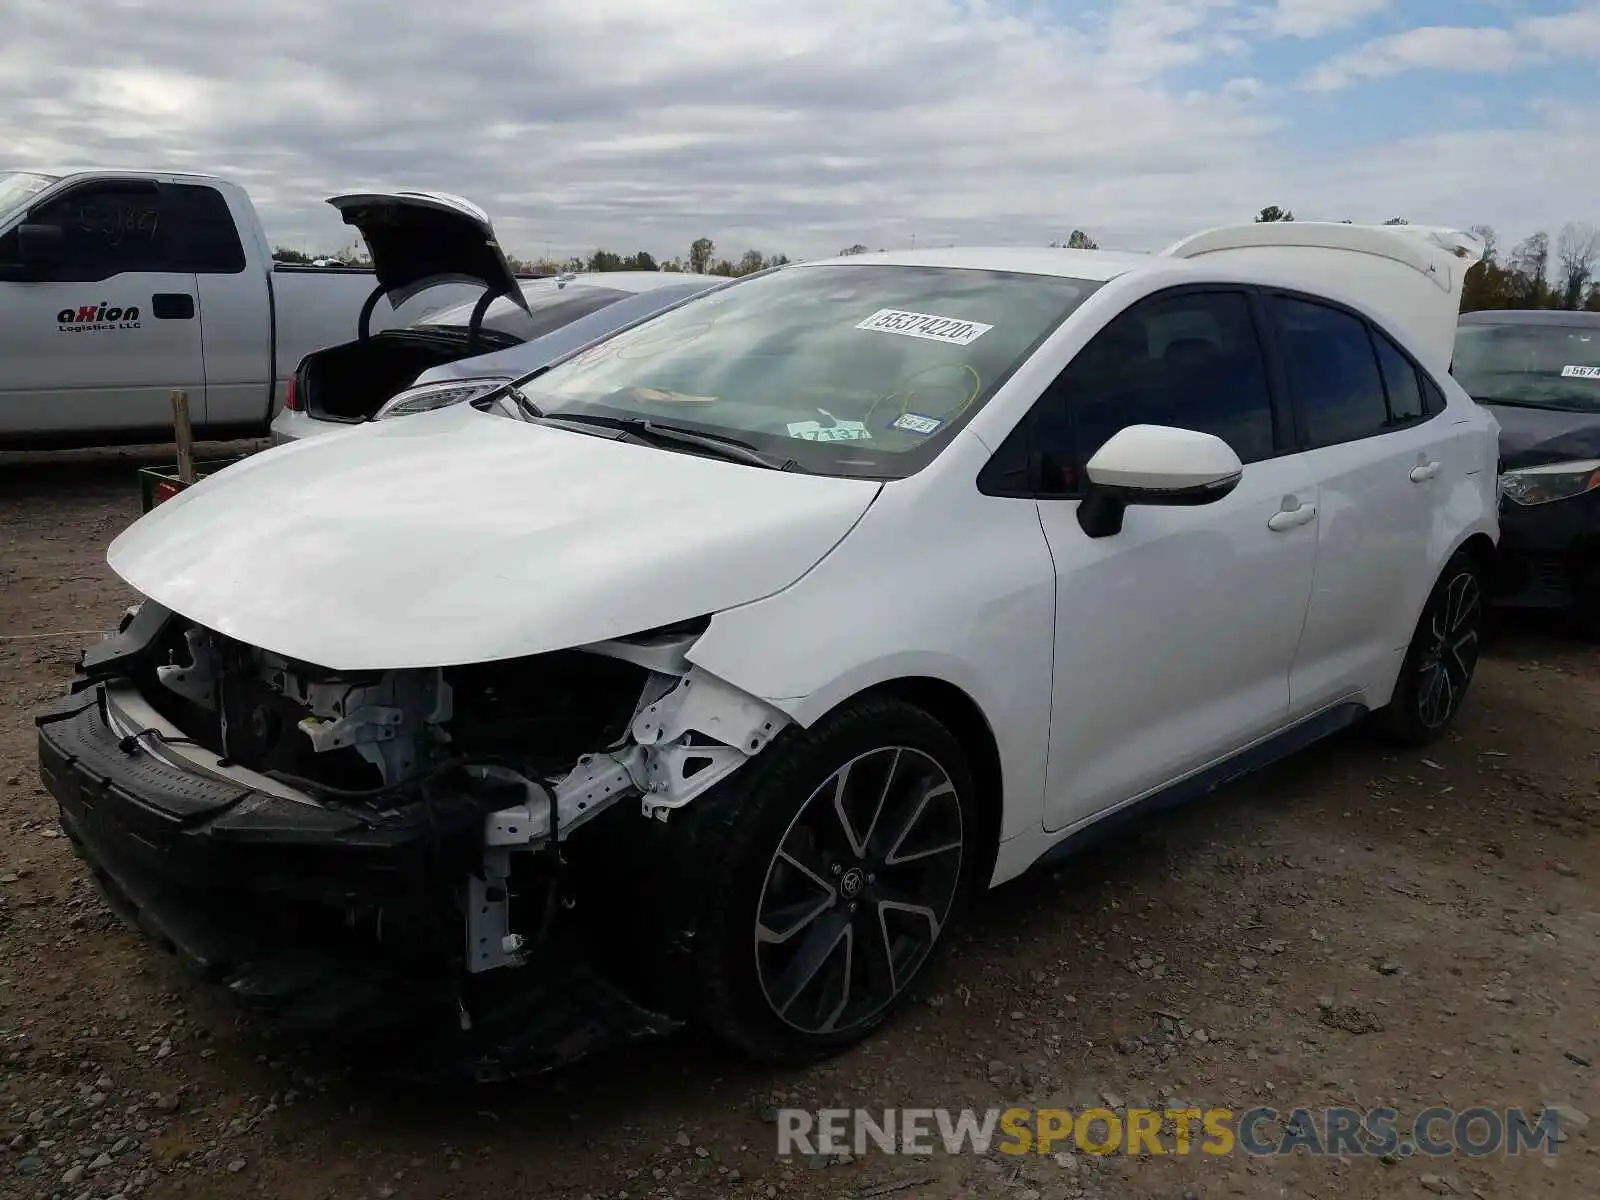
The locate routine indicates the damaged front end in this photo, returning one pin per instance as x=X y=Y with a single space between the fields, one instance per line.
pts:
x=463 y=848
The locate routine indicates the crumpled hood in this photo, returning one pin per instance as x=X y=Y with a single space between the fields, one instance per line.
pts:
x=1530 y=437
x=462 y=536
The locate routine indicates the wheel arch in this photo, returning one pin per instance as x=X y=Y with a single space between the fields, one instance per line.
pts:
x=956 y=709
x=1482 y=549
x=965 y=719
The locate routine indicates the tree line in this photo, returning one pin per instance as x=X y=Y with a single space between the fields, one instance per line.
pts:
x=701 y=260
x=1534 y=274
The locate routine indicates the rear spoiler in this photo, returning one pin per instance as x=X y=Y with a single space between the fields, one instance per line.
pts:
x=1410 y=276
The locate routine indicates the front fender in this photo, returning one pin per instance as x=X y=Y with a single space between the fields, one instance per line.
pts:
x=970 y=603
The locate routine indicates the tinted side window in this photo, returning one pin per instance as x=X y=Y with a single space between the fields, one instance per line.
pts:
x=1432 y=397
x=1191 y=360
x=1333 y=373
x=204 y=236
x=1399 y=381
x=108 y=229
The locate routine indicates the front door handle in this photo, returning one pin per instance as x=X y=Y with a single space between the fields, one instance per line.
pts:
x=172 y=306
x=1424 y=471
x=1289 y=518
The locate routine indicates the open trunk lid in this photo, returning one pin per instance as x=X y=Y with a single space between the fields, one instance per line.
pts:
x=420 y=239
x=1410 y=275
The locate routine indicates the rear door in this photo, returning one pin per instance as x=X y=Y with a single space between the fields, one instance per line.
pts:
x=1384 y=461
x=96 y=341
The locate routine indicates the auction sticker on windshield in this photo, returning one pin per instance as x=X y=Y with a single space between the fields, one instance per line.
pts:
x=839 y=431
x=929 y=326
x=1580 y=372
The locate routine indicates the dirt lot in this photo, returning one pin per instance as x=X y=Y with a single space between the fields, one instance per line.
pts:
x=1350 y=928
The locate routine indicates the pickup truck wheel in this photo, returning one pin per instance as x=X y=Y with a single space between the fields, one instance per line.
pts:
x=843 y=860
x=1441 y=659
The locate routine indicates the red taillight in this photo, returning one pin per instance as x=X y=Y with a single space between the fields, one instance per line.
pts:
x=291 y=398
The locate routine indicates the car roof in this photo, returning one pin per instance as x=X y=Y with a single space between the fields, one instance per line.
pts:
x=620 y=281
x=1533 y=316
x=157 y=173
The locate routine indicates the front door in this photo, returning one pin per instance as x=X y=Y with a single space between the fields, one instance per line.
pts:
x=98 y=339
x=1174 y=637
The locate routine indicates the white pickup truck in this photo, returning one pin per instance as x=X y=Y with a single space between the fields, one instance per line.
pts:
x=118 y=286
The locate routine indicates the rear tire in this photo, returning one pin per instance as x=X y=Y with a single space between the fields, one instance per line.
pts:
x=832 y=874
x=1442 y=658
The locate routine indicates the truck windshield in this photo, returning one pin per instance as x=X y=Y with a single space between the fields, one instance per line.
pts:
x=847 y=369
x=1535 y=366
x=16 y=187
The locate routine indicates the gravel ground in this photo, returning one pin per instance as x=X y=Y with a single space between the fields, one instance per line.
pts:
x=1353 y=927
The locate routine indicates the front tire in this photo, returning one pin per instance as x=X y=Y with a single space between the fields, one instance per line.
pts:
x=834 y=868
x=1442 y=658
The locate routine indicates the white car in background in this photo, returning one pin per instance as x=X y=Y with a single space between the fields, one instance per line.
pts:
x=425 y=241
x=704 y=675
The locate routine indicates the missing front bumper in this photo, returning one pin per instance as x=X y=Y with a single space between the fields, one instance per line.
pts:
x=314 y=918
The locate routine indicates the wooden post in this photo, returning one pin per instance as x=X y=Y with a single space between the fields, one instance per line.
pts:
x=183 y=432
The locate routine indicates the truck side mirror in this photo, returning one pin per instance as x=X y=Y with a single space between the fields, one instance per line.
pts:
x=39 y=246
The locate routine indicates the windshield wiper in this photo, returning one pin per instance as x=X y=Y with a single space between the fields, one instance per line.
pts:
x=719 y=444
x=529 y=409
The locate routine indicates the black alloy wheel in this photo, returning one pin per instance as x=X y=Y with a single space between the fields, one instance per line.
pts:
x=1442 y=658
x=826 y=876
x=858 y=891
x=1444 y=669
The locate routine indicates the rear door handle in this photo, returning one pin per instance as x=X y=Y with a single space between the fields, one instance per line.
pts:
x=172 y=306
x=1290 y=518
x=1424 y=471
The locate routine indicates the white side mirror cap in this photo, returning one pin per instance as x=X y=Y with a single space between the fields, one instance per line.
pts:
x=1154 y=464
x=1147 y=463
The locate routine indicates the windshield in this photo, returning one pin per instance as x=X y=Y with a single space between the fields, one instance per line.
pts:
x=847 y=369
x=15 y=189
x=1543 y=366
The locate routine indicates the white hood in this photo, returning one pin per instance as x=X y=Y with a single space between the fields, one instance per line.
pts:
x=460 y=536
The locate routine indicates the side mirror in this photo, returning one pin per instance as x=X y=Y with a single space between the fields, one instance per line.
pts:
x=39 y=245
x=1154 y=464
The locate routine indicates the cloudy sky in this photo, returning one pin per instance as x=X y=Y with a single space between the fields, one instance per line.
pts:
x=806 y=125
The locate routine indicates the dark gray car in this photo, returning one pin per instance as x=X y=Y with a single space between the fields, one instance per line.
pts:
x=1538 y=371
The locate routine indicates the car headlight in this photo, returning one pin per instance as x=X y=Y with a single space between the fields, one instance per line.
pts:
x=429 y=396
x=1553 y=481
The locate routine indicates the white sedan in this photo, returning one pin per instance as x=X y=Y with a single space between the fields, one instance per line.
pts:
x=702 y=676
